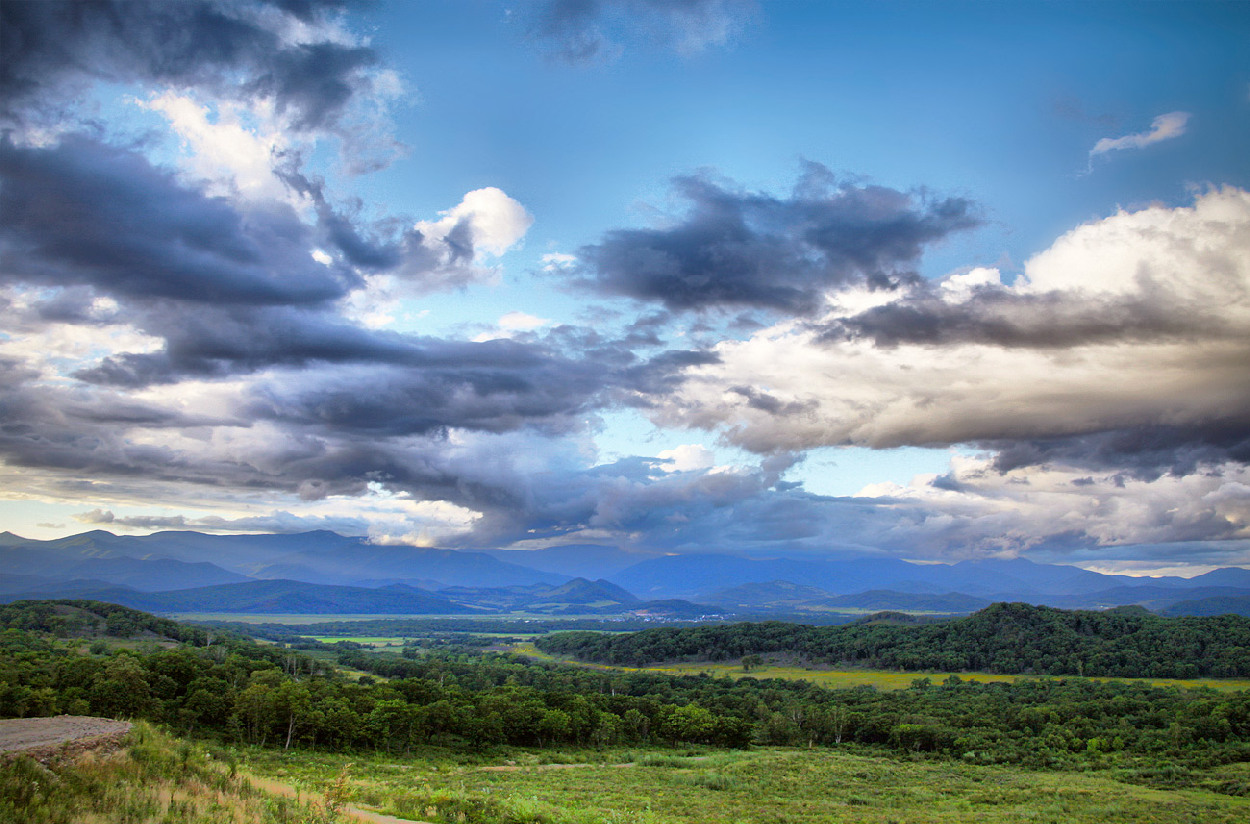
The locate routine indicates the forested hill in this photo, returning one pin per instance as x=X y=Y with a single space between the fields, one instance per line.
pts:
x=1002 y=638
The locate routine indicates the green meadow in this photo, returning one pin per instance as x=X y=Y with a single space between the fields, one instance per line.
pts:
x=849 y=678
x=775 y=785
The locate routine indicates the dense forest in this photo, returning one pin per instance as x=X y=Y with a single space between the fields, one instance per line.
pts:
x=234 y=689
x=1003 y=638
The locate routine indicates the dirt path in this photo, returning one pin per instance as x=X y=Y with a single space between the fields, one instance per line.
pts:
x=46 y=736
x=351 y=810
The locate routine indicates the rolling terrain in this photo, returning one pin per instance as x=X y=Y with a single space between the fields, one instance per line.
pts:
x=323 y=572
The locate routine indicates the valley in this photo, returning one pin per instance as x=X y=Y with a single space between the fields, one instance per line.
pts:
x=440 y=721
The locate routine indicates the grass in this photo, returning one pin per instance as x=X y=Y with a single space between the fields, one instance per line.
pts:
x=879 y=679
x=368 y=640
x=779 y=786
x=151 y=779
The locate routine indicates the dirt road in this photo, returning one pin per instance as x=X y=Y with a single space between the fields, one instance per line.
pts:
x=50 y=734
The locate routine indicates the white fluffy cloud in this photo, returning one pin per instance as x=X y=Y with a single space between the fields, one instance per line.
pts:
x=495 y=223
x=688 y=457
x=233 y=149
x=1166 y=292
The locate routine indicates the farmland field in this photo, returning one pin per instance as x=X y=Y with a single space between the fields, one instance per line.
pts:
x=879 y=679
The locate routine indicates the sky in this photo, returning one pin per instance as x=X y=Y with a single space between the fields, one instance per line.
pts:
x=938 y=281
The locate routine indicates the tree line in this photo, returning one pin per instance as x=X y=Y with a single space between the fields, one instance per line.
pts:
x=236 y=690
x=1003 y=638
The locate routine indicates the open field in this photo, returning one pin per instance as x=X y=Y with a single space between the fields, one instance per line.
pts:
x=880 y=679
x=766 y=785
x=367 y=640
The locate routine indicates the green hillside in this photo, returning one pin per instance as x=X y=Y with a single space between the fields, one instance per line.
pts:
x=1003 y=638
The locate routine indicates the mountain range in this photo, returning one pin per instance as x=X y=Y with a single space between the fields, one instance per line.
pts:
x=323 y=572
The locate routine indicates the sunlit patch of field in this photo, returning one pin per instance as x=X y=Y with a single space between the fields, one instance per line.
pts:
x=879 y=679
x=368 y=640
x=735 y=787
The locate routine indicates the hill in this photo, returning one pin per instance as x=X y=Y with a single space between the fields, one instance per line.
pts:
x=284 y=597
x=1215 y=605
x=184 y=560
x=1002 y=638
x=100 y=564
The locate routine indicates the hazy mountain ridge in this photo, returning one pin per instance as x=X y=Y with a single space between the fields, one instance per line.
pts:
x=281 y=597
x=125 y=568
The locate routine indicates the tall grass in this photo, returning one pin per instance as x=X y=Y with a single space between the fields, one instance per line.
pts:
x=151 y=779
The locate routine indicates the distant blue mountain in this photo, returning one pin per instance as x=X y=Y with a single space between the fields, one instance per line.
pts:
x=273 y=597
x=180 y=560
x=166 y=562
x=1218 y=605
x=590 y=561
x=702 y=576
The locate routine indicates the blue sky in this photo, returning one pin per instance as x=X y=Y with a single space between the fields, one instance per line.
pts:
x=934 y=280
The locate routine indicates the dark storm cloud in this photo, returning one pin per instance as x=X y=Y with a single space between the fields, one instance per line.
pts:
x=738 y=249
x=494 y=389
x=765 y=402
x=83 y=212
x=583 y=32
x=230 y=48
x=393 y=245
x=1142 y=452
x=999 y=316
x=84 y=434
x=633 y=496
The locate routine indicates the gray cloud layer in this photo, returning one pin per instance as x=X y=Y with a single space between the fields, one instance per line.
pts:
x=230 y=48
x=738 y=249
x=84 y=212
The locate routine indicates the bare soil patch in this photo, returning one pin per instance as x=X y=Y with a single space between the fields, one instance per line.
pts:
x=43 y=737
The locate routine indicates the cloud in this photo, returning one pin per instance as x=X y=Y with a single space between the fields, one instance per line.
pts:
x=1164 y=127
x=1054 y=511
x=84 y=212
x=291 y=53
x=223 y=149
x=1139 y=320
x=737 y=249
x=597 y=31
x=383 y=516
x=485 y=221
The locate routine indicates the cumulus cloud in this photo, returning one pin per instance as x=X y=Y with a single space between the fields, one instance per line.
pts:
x=1062 y=513
x=83 y=212
x=291 y=53
x=686 y=458
x=739 y=249
x=486 y=221
x=1137 y=320
x=1164 y=127
x=233 y=155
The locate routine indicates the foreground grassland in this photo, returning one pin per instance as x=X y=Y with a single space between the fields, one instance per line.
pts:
x=845 y=679
x=781 y=786
x=152 y=778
